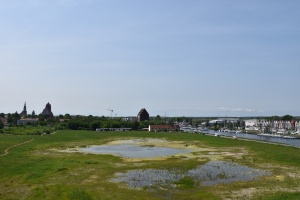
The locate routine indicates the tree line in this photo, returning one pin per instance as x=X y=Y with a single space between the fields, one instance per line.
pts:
x=78 y=122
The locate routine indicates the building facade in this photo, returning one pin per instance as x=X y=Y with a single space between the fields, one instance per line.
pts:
x=143 y=115
x=47 y=111
x=26 y=121
x=158 y=128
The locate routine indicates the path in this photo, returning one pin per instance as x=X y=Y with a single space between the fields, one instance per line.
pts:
x=6 y=150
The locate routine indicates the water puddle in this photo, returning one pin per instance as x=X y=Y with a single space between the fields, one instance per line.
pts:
x=216 y=172
x=137 y=148
x=133 y=151
x=212 y=173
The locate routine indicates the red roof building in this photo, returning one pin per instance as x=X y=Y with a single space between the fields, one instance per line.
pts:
x=157 y=128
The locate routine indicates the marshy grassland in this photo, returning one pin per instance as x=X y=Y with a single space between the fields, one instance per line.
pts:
x=37 y=167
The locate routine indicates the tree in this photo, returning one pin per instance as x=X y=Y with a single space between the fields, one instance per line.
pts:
x=95 y=124
x=1 y=124
x=287 y=117
x=135 y=125
x=158 y=118
x=74 y=125
x=16 y=115
x=67 y=116
x=41 y=118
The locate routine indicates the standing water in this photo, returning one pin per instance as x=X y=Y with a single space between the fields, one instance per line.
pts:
x=212 y=173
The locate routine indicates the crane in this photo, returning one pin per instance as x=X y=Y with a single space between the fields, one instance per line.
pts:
x=111 y=111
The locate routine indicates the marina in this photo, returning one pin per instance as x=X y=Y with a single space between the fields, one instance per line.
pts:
x=286 y=139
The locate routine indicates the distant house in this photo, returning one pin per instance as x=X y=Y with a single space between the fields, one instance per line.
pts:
x=157 y=128
x=297 y=126
x=251 y=125
x=216 y=121
x=25 y=121
x=3 y=120
x=251 y=122
x=143 y=115
x=128 y=119
x=113 y=129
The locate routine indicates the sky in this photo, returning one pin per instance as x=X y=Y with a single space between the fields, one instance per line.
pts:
x=175 y=58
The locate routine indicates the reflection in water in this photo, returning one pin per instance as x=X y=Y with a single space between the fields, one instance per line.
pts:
x=211 y=173
x=148 y=177
x=216 y=172
x=134 y=151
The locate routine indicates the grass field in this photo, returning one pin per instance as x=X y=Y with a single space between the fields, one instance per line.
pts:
x=30 y=168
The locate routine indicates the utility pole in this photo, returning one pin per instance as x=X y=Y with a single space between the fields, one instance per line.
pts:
x=111 y=112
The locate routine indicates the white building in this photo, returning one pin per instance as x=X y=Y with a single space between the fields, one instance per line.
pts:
x=251 y=124
x=297 y=126
x=25 y=121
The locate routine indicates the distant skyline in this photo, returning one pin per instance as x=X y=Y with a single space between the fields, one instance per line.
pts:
x=172 y=57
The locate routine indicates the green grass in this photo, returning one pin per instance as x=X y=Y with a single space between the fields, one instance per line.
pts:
x=185 y=182
x=34 y=171
x=283 y=196
x=28 y=130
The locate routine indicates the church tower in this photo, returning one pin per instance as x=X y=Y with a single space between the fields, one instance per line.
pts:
x=24 y=112
x=47 y=111
x=143 y=115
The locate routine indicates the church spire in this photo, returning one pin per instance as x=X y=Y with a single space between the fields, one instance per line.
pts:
x=24 y=112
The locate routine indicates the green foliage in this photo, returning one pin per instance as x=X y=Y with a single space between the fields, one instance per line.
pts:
x=28 y=130
x=78 y=194
x=287 y=117
x=1 y=124
x=95 y=124
x=284 y=196
x=12 y=118
x=91 y=162
x=185 y=182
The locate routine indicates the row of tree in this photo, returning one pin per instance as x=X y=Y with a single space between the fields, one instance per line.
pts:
x=79 y=122
x=90 y=122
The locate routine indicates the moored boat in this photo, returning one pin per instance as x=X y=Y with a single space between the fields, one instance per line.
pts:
x=289 y=137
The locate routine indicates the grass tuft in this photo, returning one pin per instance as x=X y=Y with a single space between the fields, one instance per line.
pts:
x=78 y=194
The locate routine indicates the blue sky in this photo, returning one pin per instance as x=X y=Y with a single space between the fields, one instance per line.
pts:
x=173 y=57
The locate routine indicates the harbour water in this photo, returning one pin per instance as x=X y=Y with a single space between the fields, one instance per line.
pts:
x=292 y=142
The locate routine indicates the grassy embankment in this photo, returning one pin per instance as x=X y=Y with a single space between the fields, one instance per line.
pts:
x=34 y=171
